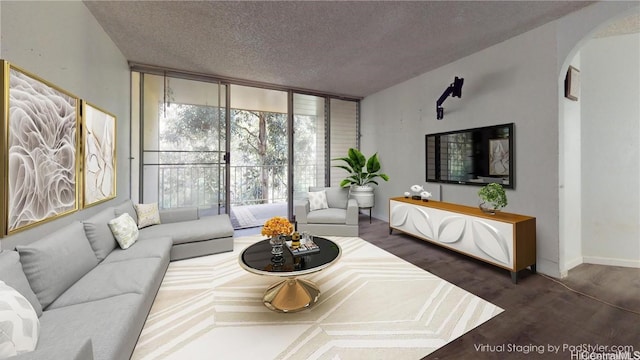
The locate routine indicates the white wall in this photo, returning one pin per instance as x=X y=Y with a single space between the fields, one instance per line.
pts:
x=62 y=43
x=514 y=81
x=570 y=169
x=610 y=72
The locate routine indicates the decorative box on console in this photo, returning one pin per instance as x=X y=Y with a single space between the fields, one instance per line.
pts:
x=505 y=240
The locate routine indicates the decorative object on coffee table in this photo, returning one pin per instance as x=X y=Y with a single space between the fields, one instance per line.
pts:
x=492 y=198
x=295 y=240
x=277 y=228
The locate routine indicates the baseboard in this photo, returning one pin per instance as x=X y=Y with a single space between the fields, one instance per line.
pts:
x=611 y=261
x=571 y=264
x=548 y=267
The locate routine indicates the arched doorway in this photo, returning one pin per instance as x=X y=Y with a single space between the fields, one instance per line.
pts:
x=599 y=165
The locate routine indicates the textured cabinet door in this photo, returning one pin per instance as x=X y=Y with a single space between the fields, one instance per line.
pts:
x=492 y=239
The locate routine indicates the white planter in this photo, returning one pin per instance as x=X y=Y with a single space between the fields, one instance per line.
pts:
x=363 y=195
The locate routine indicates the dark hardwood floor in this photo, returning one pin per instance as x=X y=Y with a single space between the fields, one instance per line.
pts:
x=594 y=306
x=540 y=312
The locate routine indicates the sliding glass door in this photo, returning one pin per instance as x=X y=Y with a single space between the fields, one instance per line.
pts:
x=227 y=148
x=182 y=134
x=259 y=155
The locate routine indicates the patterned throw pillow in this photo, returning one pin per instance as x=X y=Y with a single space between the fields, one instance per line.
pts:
x=148 y=214
x=19 y=324
x=125 y=230
x=318 y=200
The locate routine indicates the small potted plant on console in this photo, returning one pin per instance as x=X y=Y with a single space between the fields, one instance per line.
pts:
x=492 y=198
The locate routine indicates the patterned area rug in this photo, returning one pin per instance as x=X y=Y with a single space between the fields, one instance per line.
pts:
x=373 y=305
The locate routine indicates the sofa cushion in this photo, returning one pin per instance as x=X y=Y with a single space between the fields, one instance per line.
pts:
x=318 y=200
x=337 y=197
x=138 y=276
x=119 y=319
x=55 y=262
x=148 y=214
x=124 y=229
x=11 y=273
x=206 y=228
x=126 y=207
x=327 y=216
x=173 y=215
x=19 y=325
x=151 y=248
x=99 y=234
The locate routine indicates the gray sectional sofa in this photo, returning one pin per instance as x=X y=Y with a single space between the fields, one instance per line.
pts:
x=92 y=297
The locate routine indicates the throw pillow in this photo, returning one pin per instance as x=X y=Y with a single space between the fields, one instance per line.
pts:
x=125 y=230
x=148 y=214
x=318 y=200
x=12 y=274
x=19 y=324
x=55 y=262
x=98 y=232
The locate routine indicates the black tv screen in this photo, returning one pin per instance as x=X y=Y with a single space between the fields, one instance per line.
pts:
x=473 y=156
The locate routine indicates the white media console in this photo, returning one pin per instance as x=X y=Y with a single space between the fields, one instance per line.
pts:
x=504 y=239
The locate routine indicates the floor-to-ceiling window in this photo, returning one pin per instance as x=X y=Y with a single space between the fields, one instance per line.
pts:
x=259 y=155
x=181 y=134
x=309 y=145
x=224 y=147
x=343 y=125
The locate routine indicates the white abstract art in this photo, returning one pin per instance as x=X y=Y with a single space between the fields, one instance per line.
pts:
x=42 y=148
x=499 y=157
x=99 y=155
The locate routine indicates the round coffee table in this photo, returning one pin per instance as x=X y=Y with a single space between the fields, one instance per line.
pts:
x=291 y=294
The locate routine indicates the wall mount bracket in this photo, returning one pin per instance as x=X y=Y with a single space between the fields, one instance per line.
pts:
x=455 y=90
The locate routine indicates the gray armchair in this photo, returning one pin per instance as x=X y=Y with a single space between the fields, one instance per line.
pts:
x=340 y=218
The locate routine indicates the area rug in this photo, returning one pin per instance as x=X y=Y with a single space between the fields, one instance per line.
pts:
x=373 y=305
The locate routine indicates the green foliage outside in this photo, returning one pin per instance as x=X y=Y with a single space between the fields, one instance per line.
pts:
x=192 y=146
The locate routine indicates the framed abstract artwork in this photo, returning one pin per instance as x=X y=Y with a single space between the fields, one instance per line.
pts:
x=499 y=157
x=99 y=154
x=40 y=143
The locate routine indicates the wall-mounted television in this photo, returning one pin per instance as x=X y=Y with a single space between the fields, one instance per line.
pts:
x=473 y=156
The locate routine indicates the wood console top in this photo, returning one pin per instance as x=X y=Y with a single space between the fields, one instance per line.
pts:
x=463 y=209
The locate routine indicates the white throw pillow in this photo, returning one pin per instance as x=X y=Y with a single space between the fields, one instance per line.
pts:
x=19 y=324
x=318 y=200
x=148 y=214
x=124 y=229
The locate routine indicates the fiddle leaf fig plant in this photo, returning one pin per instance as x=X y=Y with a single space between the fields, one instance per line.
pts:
x=493 y=194
x=362 y=171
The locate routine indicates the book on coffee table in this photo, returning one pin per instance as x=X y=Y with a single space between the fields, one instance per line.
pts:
x=305 y=248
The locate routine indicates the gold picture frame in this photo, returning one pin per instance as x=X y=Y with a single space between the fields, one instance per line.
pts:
x=98 y=154
x=41 y=146
x=572 y=84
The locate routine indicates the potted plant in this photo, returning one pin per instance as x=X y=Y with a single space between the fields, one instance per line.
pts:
x=492 y=198
x=362 y=173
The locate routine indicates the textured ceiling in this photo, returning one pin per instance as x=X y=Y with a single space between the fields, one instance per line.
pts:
x=626 y=25
x=337 y=47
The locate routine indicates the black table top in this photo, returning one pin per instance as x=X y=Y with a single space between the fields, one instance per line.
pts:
x=257 y=259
